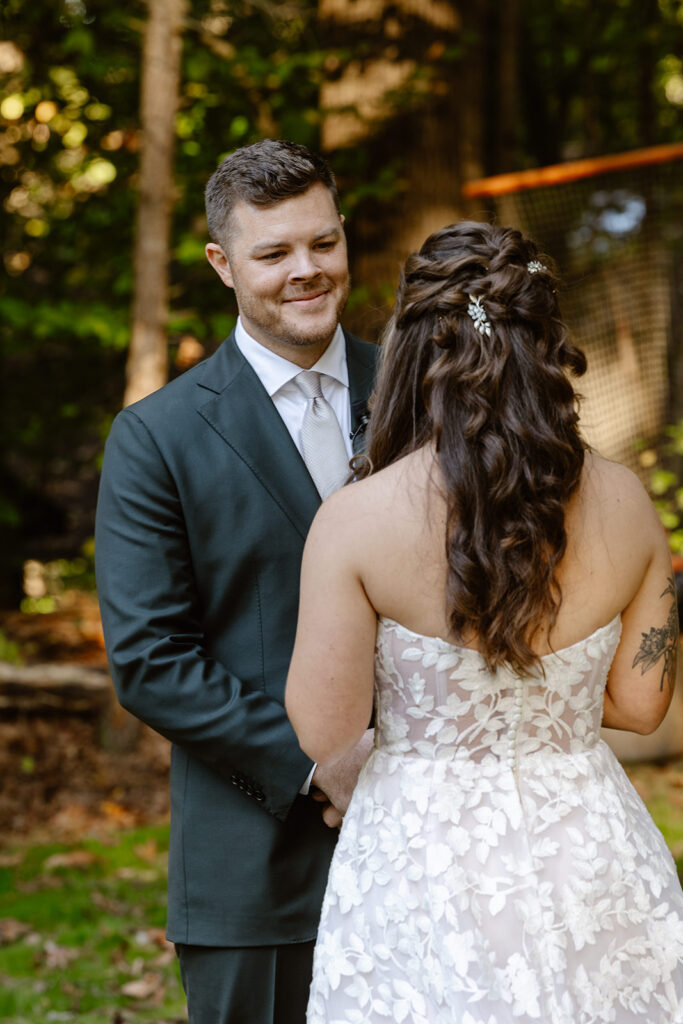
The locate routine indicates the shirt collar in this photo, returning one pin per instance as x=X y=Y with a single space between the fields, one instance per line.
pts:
x=274 y=371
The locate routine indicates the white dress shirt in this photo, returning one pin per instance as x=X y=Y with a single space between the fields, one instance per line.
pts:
x=277 y=376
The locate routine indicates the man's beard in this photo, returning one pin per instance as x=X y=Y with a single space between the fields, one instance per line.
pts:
x=285 y=333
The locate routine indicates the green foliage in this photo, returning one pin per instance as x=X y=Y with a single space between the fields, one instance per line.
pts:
x=89 y=922
x=69 y=144
x=665 y=466
x=9 y=650
x=597 y=78
x=69 y=154
x=46 y=583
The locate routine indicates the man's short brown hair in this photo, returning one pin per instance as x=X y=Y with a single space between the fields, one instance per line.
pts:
x=262 y=174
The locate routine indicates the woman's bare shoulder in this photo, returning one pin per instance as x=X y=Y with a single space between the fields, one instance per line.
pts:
x=375 y=503
x=354 y=504
x=613 y=479
x=616 y=491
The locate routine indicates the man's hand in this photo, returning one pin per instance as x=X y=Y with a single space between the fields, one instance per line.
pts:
x=336 y=782
x=331 y=815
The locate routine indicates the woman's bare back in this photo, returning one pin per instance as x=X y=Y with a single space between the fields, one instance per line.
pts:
x=611 y=531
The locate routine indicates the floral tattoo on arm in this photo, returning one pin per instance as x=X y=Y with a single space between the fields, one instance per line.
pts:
x=661 y=643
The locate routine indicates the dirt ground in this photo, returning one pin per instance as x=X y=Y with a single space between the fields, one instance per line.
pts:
x=65 y=774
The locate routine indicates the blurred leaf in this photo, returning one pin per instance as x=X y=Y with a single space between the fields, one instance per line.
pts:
x=661 y=480
x=10 y=650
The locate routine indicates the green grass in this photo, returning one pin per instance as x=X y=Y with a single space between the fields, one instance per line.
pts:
x=670 y=823
x=92 y=927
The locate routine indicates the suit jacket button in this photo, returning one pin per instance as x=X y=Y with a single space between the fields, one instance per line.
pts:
x=260 y=796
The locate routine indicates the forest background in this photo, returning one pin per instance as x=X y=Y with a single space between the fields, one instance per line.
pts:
x=112 y=118
x=409 y=100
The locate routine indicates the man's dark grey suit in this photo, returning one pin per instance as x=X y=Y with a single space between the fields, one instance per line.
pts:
x=203 y=510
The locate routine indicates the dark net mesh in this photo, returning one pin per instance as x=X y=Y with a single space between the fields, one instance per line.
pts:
x=617 y=239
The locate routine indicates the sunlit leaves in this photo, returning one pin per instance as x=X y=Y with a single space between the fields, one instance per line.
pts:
x=661 y=480
x=97 y=174
x=75 y=135
x=11 y=58
x=12 y=107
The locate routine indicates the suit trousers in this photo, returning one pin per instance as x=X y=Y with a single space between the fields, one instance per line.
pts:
x=253 y=985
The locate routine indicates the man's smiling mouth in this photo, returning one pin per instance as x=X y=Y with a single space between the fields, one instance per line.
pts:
x=306 y=298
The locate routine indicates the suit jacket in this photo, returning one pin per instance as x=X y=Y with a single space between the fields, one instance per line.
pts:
x=203 y=510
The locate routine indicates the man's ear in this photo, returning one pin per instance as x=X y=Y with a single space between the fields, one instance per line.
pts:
x=219 y=262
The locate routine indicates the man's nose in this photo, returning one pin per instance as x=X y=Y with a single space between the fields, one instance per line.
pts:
x=304 y=265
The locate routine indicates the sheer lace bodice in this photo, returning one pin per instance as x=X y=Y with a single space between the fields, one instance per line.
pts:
x=450 y=705
x=495 y=865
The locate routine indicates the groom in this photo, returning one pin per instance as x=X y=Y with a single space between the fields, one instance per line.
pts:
x=208 y=489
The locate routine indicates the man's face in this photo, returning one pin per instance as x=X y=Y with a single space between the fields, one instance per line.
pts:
x=288 y=266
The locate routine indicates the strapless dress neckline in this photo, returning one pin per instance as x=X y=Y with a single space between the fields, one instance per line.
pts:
x=449 y=645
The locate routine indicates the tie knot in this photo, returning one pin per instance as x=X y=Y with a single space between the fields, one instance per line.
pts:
x=309 y=382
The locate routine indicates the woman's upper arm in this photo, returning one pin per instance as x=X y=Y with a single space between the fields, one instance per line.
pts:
x=642 y=677
x=330 y=682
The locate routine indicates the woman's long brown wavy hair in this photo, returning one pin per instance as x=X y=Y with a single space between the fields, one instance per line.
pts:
x=503 y=416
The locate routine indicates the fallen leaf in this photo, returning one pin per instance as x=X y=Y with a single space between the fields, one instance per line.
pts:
x=74 y=859
x=147 y=851
x=108 y=905
x=165 y=958
x=149 y=936
x=73 y=819
x=144 y=987
x=39 y=883
x=117 y=813
x=143 y=875
x=137 y=966
x=58 y=956
x=11 y=860
x=11 y=930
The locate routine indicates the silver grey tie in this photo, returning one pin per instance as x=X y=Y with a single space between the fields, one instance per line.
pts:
x=322 y=442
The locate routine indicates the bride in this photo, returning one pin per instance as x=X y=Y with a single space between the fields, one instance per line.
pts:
x=503 y=591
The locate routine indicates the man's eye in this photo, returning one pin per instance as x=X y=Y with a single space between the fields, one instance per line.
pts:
x=325 y=245
x=272 y=255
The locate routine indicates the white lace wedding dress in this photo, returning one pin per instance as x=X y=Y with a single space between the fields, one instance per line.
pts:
x=495 y=864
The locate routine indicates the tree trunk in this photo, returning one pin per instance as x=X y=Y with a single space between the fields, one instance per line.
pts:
x=502 y=115
x=147 y=367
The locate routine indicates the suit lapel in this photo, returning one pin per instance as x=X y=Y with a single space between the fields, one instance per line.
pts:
x=240 y=410
x=243 y=414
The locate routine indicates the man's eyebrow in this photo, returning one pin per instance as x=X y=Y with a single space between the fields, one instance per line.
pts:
x=265 y=246
x=262 y=246
x=334 y=230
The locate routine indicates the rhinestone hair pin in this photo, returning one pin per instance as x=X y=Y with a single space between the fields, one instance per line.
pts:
x=536 y=267
x=478 y=314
